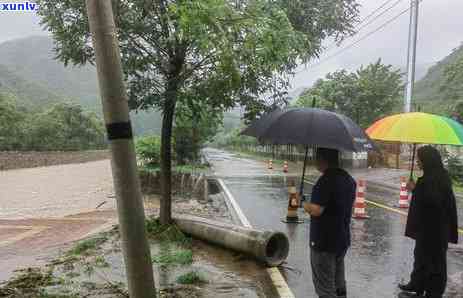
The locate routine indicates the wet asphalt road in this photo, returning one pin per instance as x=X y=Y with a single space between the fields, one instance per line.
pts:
x=380 y=256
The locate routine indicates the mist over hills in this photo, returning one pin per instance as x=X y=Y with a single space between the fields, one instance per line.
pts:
x=29 y=71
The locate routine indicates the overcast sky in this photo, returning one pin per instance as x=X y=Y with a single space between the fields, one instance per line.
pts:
x=440 y=31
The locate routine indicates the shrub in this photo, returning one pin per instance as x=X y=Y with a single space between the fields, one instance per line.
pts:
x=177 y=257
x=149 y=150
x=455 y=167
x=190 y=278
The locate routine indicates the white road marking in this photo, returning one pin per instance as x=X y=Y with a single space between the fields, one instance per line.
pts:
x=275 y=275
x=235 y=205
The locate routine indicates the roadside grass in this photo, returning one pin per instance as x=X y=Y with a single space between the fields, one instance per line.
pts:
x=166 y=233
x=30 y=283
x=176 y=257
x=84 y=247
x=190 y=278
x=57 y=278
x=31 y=278
x=100 y=262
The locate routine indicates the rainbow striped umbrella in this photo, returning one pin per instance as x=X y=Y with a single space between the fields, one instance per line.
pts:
x=417 y=128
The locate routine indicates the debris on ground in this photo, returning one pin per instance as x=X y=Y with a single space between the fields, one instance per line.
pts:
x=183 y=267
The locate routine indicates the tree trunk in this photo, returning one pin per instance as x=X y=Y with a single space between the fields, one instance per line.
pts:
x=166 y=154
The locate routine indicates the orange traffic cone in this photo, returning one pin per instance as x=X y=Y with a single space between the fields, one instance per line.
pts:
x=270 y=164
x=360 y=205
x=285 y=167
x=293 y=205
x=403 y=198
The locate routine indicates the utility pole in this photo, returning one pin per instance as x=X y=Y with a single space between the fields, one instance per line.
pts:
x=123 y=162
x=411 y=55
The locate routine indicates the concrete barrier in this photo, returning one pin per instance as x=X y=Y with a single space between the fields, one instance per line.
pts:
x=269 y=247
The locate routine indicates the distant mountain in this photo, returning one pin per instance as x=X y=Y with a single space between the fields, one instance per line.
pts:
x=29 y=71
x=420 y=70
x=31 y=94
x=31 y=59
x=429 y=91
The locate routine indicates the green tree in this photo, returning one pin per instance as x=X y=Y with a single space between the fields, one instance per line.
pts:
x=65 y=126
x=219 y=52
x=148 y=149
x=365 y=95
x=11 y=123
x=379 y=87
x=195 y=125
x=335 y=93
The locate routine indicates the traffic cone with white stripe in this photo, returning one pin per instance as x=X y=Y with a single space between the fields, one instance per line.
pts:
x=293 y=205
x=360 y=205
x=403 y=197
x=270 y=164
x=285 y=167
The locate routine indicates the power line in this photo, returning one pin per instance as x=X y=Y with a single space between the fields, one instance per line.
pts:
x=374 y=11
x=358 y=30
x=359 y=25
x=380 y=15
x=361 y=39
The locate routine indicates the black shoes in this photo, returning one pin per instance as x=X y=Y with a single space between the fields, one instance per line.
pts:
x=409 y=288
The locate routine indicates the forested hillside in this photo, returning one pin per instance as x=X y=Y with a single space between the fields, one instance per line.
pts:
x=33 y=95
x=438 y=91
x=31 y=59
x=29 y=72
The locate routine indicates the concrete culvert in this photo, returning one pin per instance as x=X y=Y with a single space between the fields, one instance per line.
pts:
x=269 y=247
x=213 y=187
x=276 y=249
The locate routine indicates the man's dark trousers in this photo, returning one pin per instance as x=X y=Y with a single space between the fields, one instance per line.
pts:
x=328 y=274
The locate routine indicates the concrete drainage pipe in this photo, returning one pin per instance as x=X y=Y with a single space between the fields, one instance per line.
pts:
x=269 y=247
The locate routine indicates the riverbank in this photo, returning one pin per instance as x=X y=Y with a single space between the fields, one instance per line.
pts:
x=10 y=160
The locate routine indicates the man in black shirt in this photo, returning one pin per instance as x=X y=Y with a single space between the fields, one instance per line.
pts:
x=330 y=209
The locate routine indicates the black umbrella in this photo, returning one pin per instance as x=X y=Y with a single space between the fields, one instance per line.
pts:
x=310 y=127
x=258 y=127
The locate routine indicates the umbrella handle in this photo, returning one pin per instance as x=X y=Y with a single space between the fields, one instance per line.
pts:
x=301 y=191
x=413 y=161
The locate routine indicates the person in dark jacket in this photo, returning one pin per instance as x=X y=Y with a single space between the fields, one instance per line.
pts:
x=330 y=209
x=432 y=222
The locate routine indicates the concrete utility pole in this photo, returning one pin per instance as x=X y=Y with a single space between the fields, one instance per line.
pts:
x=124 y=168
x=411 y=55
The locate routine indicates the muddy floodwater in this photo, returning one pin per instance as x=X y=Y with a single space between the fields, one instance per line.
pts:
x=56 y=191
x=43 y=209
